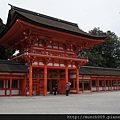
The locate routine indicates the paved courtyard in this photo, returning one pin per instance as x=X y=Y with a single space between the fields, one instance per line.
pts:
x=85 y=103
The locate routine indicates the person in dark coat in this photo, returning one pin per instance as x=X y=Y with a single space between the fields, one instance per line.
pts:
x=55 y=89
x=67 y=88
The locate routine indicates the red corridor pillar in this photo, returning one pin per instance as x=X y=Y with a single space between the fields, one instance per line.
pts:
x=30 y=80
x=45 y=80
x=77 y=80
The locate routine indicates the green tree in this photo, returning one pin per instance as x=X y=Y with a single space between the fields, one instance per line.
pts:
x=2 y=26
x=4 y=53
x=106 y=54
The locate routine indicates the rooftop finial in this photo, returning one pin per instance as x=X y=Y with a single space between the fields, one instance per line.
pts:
x=11 y=5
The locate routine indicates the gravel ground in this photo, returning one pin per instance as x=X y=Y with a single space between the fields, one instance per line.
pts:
x=85 y=103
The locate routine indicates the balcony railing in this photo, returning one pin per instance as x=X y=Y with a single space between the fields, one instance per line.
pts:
x=51 y=54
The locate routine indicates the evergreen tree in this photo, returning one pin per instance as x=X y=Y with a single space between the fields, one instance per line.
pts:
x=106 y=54
x=4 y=53
x=2 y=26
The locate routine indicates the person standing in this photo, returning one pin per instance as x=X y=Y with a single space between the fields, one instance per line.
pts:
x=67 y=88
x=55 y=89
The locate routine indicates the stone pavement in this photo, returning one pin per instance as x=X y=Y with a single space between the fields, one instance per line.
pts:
x=85 y=103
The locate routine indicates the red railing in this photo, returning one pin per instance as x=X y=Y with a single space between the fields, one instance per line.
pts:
x=42 y=53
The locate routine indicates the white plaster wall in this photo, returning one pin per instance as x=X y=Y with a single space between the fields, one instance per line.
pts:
x=72 y=76
x=86 y=77
x=69 y=65
x=15 y=92
x=72 y=90
x=56 y=64
x=74 y=66
x=106 y=88
x=41 y=63
x=7 y=92
x=2 y=92
x=100 y=88
x=49 y=64
x=35 y=63
x=93 y=88
x=62 y=65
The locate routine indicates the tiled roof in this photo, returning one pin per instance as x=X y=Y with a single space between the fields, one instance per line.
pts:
x=44 y=21
x=88 y=70
x=12 y=66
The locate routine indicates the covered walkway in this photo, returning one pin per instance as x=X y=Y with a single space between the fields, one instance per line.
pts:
x=12 y=78
x=98 y=79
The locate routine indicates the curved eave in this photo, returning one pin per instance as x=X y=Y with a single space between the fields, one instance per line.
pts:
x=10 y=22
x=10 y=34
x=17 y=29
x=13 y=18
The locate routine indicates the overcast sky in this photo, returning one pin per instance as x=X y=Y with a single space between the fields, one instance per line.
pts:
x=88 y=14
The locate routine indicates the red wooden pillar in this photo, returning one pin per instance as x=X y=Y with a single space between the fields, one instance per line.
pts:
x=77 y=80
x=30 y=80
x=90 y=84
x=82 y=83
x=98 y=84
x=38 y=82
x=38 y=77
x=10 y=84
x=116 y=84
x=111 y=83
x=108 y=83
x=104 y=84
x=45 y=80
x=20 y=86
x=58 y=79
x=66 y=74
x=5 y=87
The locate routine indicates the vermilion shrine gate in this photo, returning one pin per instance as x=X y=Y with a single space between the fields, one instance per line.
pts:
x=48 y=47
